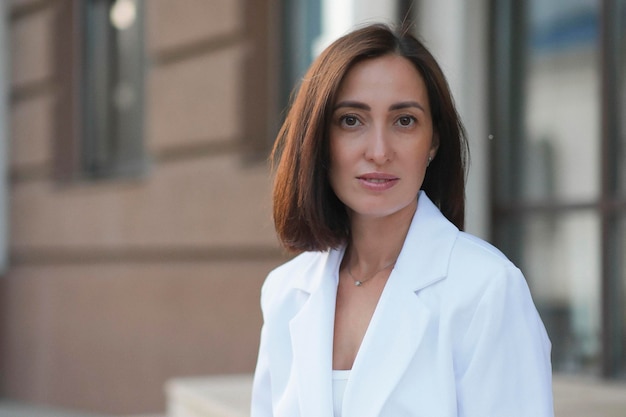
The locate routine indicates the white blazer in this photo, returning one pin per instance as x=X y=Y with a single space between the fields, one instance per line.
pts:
x=455 y=333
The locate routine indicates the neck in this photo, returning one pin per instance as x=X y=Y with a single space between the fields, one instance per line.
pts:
x=376 y=242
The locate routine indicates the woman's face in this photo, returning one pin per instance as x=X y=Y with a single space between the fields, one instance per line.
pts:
x=381 y=137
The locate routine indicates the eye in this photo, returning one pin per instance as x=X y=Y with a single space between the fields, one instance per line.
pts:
x=406 y=121
x=349 y=120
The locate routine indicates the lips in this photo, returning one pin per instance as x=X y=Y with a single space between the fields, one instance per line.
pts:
x=377 y=181
x=377 y=177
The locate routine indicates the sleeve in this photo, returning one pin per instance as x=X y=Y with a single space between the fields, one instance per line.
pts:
x=261 y=405
x=505 y=355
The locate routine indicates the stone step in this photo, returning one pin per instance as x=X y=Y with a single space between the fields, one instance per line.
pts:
x=16 y=409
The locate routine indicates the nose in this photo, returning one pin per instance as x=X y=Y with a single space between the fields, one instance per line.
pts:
x=378 y=149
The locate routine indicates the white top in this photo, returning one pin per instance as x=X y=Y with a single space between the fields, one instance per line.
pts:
x=340 y=380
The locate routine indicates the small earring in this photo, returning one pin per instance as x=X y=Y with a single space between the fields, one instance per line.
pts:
x=430 y=159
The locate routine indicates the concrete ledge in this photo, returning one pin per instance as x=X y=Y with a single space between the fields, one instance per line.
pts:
x=229 y=396
x=215 y=396
x=584 y=397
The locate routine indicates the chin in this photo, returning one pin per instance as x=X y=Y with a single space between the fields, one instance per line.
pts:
x=381 y=212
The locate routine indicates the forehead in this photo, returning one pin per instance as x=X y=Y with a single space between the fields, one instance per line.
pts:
x=388 y=76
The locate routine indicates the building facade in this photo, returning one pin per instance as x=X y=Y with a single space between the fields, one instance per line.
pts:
x=135 y=255
x=139 y=214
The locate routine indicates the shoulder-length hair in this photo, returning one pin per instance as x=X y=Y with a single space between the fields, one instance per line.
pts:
x=308 y=216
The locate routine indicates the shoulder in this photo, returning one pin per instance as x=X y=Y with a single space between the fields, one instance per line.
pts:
x=470 y=245
x=477 y=269
x=484 y=289
x=471 y=255
x=290 y=275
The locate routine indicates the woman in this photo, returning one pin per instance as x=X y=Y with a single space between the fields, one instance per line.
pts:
x=389 y=310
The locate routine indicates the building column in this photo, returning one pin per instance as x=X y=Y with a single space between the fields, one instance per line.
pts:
x=456 y=32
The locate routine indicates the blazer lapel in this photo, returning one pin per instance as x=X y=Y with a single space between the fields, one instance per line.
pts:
x=400 y=319
x=312 y=339
x=392 y=339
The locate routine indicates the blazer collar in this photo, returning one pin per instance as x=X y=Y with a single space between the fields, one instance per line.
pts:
x=394 y=333
x=325 y=272
x=423 y=259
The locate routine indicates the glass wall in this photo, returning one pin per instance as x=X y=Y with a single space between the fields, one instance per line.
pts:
x=561 y=157
x=556 y=156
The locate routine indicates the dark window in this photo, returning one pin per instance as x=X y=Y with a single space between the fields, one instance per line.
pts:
x=302 y=26
x=102 y=73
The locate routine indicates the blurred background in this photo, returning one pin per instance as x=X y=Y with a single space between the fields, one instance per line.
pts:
x=135 y=226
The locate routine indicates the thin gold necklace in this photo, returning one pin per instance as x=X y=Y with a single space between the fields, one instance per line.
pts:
x=360 y=282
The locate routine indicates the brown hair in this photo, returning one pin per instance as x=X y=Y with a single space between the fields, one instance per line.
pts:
x=308 y=216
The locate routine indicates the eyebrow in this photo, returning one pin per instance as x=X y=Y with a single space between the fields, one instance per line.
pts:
x=405 y=104
x=352 y=104
x=395 y=106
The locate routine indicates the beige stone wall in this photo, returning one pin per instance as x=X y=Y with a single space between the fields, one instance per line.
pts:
x=116 y=286
x=105 y=337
